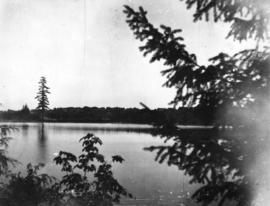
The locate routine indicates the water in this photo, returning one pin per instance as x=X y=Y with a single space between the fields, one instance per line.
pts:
x=150 y=182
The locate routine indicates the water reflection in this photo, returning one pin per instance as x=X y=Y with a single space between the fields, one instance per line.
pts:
x=147 y=180
x=24 y=129
x=224 y=164
x=42 y=143
x=222 y=161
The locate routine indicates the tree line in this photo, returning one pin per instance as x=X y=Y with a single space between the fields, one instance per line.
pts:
x=183 y=116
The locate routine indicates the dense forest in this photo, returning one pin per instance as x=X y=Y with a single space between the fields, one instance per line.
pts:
x=184 y=116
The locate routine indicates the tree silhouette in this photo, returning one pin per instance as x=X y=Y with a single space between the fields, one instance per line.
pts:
x=25 y=109
x=42 y=97
x=219 y=159
x=228 y=81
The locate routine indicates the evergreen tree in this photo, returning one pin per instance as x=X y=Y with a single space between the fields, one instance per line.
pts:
x=42 y=98
x=25 y=109
x=227 y=81
x=220 y=160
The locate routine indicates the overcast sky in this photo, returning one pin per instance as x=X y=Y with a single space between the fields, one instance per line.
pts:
x=88 y=54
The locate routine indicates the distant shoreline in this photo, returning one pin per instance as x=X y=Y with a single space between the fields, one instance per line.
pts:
x=181 y=116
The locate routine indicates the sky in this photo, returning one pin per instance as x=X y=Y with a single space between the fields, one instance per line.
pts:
x=88 y=54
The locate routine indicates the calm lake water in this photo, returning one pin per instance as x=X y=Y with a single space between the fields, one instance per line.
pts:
x=150 y=182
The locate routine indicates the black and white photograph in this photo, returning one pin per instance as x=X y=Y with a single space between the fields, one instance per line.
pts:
x=134 y=103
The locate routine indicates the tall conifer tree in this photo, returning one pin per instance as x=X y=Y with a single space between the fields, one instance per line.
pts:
x=42 y=98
